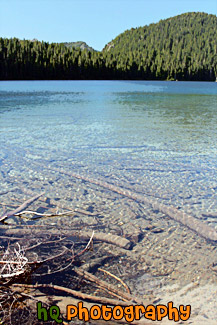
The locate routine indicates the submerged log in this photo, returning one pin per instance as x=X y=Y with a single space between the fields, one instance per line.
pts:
x=98 y=236
x=107 y=238
x=77 y=294
x=202 y=229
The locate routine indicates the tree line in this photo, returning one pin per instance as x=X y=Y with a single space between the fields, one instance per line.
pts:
x=183 y=47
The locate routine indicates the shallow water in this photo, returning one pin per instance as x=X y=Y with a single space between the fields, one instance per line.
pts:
x=155 y=138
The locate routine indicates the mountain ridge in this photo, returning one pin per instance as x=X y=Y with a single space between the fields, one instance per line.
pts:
x=177 y=48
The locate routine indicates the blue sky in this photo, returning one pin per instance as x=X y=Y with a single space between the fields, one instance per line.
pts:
x=94 y=21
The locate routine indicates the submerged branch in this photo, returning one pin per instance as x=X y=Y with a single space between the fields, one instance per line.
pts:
x=20 y=208
x=77 y=294
x=106 y=285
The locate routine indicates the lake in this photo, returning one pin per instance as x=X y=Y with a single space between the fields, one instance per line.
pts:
x=125 y=162
x=155 y=138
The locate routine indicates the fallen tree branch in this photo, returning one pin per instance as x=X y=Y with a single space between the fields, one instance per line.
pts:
x=98 y=236
x=76 y=294
x=103 y=284
x=55 y=214
x=118 y=279
x=20 y=208
x=14 y=263
x=44 y=214
x=50 y=258
x=87 y=246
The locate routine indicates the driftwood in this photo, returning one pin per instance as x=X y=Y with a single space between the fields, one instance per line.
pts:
x=98 y=236
x=88 y=276
x=20 y=208
x=191 y=222
x=19 y=264
x=77 y=294
x=14 y=262
x=116 y=278
x=70 y=212
x=43 y=214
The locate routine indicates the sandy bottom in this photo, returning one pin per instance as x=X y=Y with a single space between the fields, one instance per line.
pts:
x=203 y=301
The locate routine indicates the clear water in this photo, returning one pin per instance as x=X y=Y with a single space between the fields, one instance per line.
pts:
x=156 y=138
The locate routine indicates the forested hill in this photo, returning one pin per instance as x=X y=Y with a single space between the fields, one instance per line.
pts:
x=183 y=47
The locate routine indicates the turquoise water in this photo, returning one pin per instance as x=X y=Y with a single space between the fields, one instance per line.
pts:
x=155 y=138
